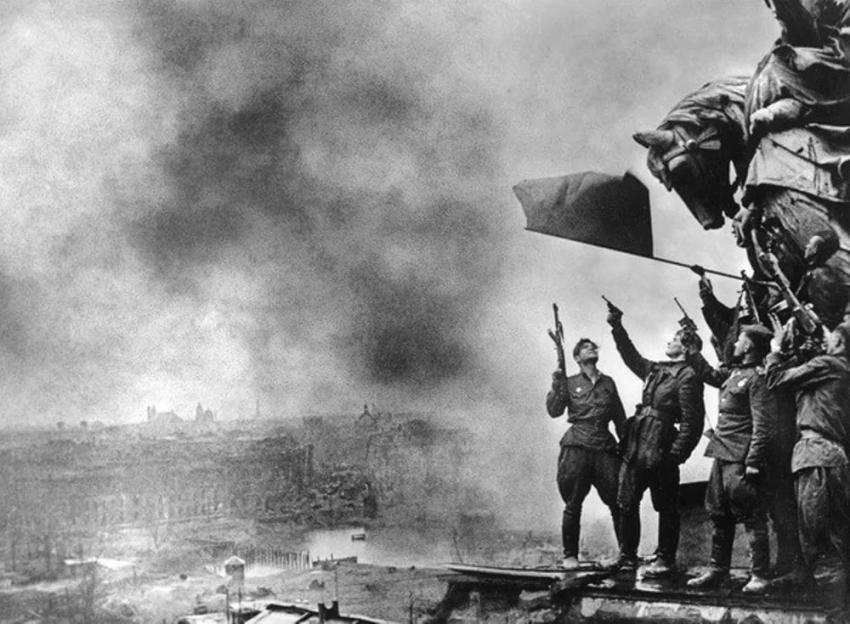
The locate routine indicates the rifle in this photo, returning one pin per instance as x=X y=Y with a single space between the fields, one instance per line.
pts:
x=749 y=300
x=807 y=320
x=557 y=337
x=686 y=322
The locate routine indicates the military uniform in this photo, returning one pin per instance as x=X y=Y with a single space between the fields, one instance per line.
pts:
x=725 y=323
x=820 y=464
x=659 y=437
x=742 y=439
x=588 y=450
x=779 y=481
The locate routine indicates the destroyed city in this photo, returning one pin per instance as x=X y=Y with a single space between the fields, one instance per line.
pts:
x=425 y=311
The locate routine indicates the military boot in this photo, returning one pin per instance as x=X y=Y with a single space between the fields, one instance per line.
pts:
x=659 y=569
x=569 y=563
x=797 y=577
x=760 y=558
x=756 y=585
x=713 y=577
x=626 y=563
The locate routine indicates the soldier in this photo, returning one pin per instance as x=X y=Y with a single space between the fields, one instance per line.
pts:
x=820 y=463
x=588 y=450
x=740 y=447
x=654 y=446
x=779 y=482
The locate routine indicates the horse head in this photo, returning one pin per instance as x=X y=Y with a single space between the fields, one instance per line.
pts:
x=692 y=149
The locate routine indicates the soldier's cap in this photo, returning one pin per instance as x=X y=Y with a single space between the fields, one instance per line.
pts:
x=758 y=332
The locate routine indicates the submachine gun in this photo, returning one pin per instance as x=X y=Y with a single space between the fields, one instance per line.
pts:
x=748 y=299
x=806 y=319
x=557 y=336
x=808 y=327
x=686 y=322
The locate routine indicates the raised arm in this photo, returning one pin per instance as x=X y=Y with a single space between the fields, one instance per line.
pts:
x=718 y=316
x=558 y=397
x=800 y=377
x=638 y=364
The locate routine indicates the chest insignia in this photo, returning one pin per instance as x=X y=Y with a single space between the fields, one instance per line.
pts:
x=578 y=389
x=742 y=383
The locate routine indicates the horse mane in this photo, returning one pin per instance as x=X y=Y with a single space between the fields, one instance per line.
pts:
x=720 y=102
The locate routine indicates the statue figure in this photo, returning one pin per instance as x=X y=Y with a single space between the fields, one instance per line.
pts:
x=791 y=195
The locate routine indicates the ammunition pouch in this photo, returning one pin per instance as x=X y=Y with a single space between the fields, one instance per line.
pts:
x=649 y=434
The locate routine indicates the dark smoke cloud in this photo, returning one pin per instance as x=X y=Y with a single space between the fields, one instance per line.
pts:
x=308 y=203
x=400 y=268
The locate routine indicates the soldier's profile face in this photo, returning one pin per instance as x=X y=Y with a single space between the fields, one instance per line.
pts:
x=675 y=348
x=742 y=345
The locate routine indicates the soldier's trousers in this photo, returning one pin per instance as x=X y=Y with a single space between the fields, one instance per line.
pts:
x=823 y=512
x=780 y=485
x=663 y=485
x=783 y=516
x=731 y=499
x=578 y=469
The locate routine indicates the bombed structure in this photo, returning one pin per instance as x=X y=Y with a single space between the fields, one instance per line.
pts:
x=65 y=488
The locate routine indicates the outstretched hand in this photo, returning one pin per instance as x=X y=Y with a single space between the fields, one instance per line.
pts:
x=782 y=334
x=615 y=318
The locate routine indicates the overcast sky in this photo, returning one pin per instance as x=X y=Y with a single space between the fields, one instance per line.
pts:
x=309 y=203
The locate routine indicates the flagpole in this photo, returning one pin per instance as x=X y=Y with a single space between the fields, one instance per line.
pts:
x=696 y=268
x=692 y=267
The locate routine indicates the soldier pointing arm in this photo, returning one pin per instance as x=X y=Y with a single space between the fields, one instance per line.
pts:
x=660 y=436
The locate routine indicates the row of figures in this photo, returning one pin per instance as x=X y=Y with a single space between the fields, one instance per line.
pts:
x=780 y=440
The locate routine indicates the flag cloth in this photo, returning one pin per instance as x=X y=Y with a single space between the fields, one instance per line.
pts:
x=590 y=207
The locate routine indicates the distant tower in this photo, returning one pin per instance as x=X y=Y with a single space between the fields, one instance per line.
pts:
x=257 y=410
x=366 y=416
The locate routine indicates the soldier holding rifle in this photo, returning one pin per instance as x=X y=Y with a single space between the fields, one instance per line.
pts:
x=588 y=450
x=660 y=436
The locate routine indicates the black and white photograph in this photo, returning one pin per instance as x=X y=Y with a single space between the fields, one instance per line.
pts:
x=424 y=312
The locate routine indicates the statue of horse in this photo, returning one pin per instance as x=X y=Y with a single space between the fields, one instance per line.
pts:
x=793 y=174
